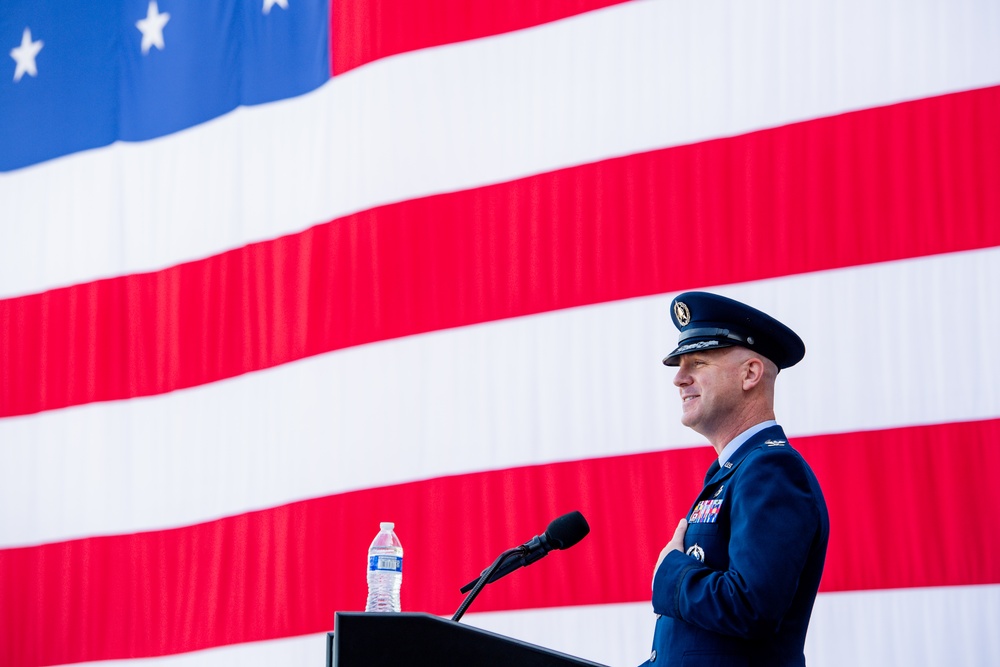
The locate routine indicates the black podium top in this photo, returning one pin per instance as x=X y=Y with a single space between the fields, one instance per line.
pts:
x=405 y=638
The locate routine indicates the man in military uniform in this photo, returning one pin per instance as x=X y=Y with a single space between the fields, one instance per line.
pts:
x=736 y=583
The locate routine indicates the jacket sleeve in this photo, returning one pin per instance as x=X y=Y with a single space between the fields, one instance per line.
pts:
x=775 y=518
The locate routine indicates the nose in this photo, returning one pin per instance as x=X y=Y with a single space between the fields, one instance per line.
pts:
x=682 y=378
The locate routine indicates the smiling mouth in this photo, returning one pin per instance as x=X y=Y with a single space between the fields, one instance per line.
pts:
x=685 y=399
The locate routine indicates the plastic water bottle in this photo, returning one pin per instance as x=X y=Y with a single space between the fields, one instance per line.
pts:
x=385 y=570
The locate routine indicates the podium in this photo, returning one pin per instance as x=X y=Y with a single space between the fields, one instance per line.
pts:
x=365 y=640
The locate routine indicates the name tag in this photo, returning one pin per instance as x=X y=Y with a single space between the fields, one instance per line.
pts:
x=706 y=511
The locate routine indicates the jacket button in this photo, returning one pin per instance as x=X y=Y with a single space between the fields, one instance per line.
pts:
x=652 y=656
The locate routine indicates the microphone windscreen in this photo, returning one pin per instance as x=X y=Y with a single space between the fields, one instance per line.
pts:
x=567 y=530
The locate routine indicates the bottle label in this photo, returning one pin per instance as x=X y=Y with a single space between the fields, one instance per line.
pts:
x=385 y=563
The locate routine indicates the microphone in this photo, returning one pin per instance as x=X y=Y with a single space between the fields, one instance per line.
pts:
x=561 y=533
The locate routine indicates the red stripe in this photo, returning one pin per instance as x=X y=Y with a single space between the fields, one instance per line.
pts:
x=365 y=30
x=902 y=181
x=902 y=511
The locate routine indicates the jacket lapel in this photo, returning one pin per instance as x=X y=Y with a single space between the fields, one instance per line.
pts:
x=712 y=469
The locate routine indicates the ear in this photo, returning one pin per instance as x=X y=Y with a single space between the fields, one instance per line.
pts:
x=753 y=373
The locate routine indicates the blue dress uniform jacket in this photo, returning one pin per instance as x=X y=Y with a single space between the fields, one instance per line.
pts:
x=756 y=542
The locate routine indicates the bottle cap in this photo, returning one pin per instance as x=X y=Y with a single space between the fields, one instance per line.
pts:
x=387 y=525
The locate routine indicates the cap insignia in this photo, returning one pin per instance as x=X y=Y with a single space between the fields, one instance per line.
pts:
x=682 y=313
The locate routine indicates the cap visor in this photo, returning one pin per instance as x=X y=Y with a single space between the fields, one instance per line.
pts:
x=703 y=345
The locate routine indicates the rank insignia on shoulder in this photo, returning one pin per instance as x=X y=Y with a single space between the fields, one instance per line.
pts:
x=775 y=443
x=696 y=552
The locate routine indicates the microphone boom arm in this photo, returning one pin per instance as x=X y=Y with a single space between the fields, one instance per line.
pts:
x=483 y=579
x=561 y=533
x=509 y=562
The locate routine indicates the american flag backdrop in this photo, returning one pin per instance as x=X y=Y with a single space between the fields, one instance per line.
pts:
x=274 y=271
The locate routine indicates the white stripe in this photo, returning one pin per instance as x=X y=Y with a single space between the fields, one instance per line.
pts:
x=631 y=78
x=921 y=627
x=565 y=385
x=304 y=651
x=917 y=627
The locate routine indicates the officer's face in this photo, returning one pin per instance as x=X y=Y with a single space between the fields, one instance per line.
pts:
x=710 y=384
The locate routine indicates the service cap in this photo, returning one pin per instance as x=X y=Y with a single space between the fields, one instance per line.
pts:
x=709 y=321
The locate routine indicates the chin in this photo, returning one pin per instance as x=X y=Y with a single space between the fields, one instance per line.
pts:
x=688 y=420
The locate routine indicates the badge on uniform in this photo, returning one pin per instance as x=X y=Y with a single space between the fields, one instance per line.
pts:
x=706 y=511
x=697 y=552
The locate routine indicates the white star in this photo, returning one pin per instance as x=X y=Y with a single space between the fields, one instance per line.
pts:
x=271 y=3
x=152 y=27
x=24 y=56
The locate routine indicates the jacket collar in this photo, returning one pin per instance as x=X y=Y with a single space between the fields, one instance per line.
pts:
x=739 y=440
x=756 y=441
